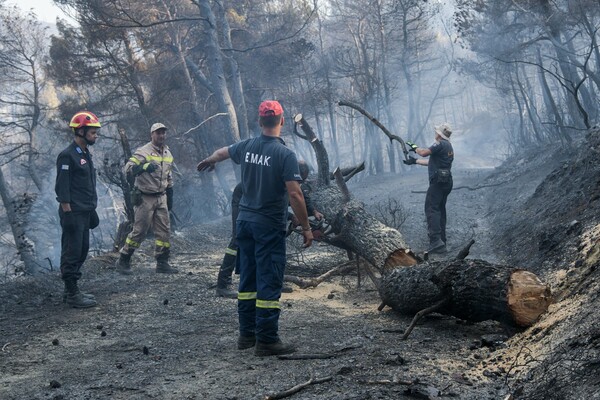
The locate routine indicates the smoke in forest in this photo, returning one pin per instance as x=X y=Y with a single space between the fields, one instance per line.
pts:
x=505 y=78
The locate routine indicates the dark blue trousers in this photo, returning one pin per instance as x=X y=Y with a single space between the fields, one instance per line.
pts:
x=261 y=257
x=75 y=244
x=435 y=210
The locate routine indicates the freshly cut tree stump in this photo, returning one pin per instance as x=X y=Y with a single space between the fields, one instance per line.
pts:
x=525 y=291
x=474 y=290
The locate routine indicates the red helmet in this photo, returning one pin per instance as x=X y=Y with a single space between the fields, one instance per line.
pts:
x=83 y=119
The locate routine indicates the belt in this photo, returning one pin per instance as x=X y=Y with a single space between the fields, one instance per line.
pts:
x=154 y=194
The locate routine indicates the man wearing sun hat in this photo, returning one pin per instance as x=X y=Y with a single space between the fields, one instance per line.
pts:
x=151 y=166
x=439 y=164
x=270 y=177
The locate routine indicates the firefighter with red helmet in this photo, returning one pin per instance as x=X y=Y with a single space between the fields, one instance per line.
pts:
x=76 y=192
x=152 y=196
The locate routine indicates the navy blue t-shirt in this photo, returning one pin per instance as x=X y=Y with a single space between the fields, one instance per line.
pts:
x=442 y=155
x=266 y=166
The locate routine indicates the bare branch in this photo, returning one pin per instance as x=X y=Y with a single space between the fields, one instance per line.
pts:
x=203 y=122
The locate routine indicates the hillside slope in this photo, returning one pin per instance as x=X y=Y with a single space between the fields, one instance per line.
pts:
x=555 y=232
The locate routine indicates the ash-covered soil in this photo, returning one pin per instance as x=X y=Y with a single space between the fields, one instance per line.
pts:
x=169 y=337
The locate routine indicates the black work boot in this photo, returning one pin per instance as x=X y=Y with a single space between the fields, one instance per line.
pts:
x=123 y=264
x=227 y=292
x=87 y=295
x=224 y=278
x=245 y=342
x=75 y=298
x=163 y=266
x=287 y=289
x=273 y=349
x=437 y=246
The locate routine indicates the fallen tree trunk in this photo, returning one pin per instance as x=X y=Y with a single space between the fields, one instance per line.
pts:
x=473 y=290
x=354 y=229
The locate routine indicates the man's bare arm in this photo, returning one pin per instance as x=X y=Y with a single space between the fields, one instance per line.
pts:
x=423 y=152
x=209 y=162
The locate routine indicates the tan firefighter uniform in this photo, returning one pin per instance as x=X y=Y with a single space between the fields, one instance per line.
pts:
x=152 y=212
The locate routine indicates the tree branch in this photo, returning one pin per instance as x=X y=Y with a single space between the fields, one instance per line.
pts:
x=374 y=120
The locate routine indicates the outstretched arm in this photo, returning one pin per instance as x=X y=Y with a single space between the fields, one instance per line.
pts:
x=423 y=152
x=209 y=162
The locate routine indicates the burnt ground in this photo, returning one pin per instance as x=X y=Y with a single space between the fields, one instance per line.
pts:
x=169 y=337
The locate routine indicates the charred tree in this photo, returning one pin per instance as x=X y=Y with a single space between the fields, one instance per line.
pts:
x=473 y=290
x=354 y=229
x=112 y=171
x=215 y=65
x=351 y=227
x=17 y=208
x=318 y=147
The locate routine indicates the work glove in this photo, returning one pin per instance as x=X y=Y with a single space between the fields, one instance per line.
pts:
x=147 y=167
x=205 y=165
x=68 y=221
x=413 y=147
x=410 y=161
x=169 y=198
x=94 y=219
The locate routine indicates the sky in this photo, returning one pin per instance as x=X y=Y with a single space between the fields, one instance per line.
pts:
x=44 y=9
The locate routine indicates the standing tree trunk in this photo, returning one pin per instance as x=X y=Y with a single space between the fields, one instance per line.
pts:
x=115 y=175
x=553 y=110
x=236 y=77
x=217 y=74
x=36 y=115
x=16 y=211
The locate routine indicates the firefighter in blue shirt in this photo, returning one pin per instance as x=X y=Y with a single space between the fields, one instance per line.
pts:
x=76 y=192
x=270 y=177
x=224 y=280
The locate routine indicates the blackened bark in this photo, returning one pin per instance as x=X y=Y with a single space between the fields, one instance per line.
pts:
x=16 y=211
x=475 y=289
x=318 y=147
x=354 y=229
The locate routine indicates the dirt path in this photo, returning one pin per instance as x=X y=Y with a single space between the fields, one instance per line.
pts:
x=189 y=334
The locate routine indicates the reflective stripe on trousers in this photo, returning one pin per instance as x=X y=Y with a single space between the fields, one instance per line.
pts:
x=151 y=214
x=261 y=255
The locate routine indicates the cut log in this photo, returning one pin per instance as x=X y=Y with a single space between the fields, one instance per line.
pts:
x=354 y=229
x=528 y=297
x=473 y=290
x=476 y=291
x=409 y=290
